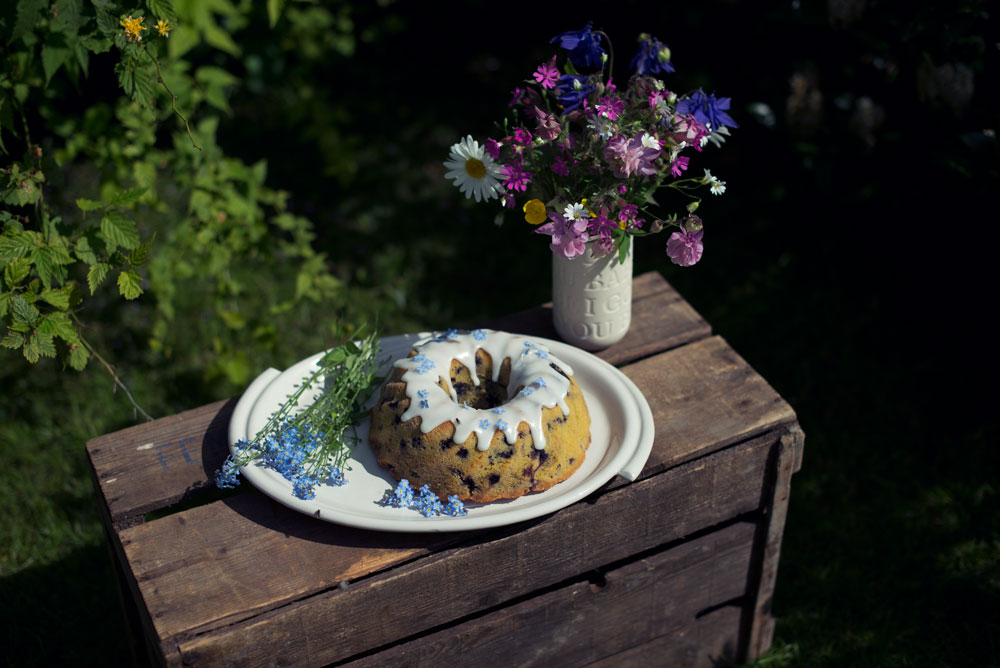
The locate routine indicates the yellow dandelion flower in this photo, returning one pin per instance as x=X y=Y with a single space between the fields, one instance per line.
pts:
x=163 y=28
x=133 y=28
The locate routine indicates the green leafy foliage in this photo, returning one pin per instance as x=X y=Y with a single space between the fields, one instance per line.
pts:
x=142 y=192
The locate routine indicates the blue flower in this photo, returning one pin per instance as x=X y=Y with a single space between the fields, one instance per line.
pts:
x=652 y=58
x=572 y=90
x=501 y=425
x=542 y=355
x=707 y=109
x=424 y=403
x=540 y=382
x=422 y=393
x=400 y=497
x=451 y=334
x=584 y=48
x=228 y=476
x=302 y=487
x=498 y=410
x=455 y=508
x=479 y=334
x=428 y=503
x=484 y=424
x=526 y=392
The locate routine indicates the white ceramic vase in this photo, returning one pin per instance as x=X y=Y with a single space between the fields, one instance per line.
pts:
x=592 y=298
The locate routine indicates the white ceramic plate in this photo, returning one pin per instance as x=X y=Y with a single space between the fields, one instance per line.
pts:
x=621 y=439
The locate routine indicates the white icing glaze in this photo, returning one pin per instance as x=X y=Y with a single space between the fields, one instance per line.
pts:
x=530 y=367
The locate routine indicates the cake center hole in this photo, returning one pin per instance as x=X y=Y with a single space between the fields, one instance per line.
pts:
x=488 y=394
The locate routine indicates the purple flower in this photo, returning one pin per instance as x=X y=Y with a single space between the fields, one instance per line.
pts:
x=548 y=125
x=679 y=165
x=521 y=136
x=684 y=247
x=584 y=48
x=569 y=237
x=628 y=157
x=601 y=226
x=515 y=178
x=603 y=247
x=690 y=130
x=492 y=147
x=560 y=167
x=610 y=107
x=652 y=58
x=707 y=109
x=572 y=90
x=517 y=96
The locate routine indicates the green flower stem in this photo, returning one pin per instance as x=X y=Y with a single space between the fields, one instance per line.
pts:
x=111 y=370
x=173 y=98
x=349 y=370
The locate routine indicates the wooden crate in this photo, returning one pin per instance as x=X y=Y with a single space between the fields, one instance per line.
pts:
x=675 y=568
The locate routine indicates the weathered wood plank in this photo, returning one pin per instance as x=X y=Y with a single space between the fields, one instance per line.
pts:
x=156 y=464
x=704 y=397
x=196 y=595
x=583 y=622
x=661 y=320
x=712 y=640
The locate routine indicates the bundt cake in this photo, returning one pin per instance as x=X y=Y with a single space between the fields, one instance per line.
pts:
x=484 y=415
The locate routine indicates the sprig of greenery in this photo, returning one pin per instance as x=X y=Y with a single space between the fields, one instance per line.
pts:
x=309 y=444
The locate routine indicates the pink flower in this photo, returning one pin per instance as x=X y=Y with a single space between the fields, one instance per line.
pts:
x=515 y=178
x=560 y=167
x=603 y=246
x=628 y=157
x=679 y=165
x=569 y=237
x=690 y=131
x=610 y=107
x=548 y=125
x=685 y=248
x=546 y=75
x=508 y=201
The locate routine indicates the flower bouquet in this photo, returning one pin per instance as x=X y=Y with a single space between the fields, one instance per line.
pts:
x=582 y=158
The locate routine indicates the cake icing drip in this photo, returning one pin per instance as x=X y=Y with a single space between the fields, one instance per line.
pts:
x=531 y=368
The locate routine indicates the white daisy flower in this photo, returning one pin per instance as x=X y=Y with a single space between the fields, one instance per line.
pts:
x=649 y=141
x=475 y=173
x=575 y=211
x=602 y=127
